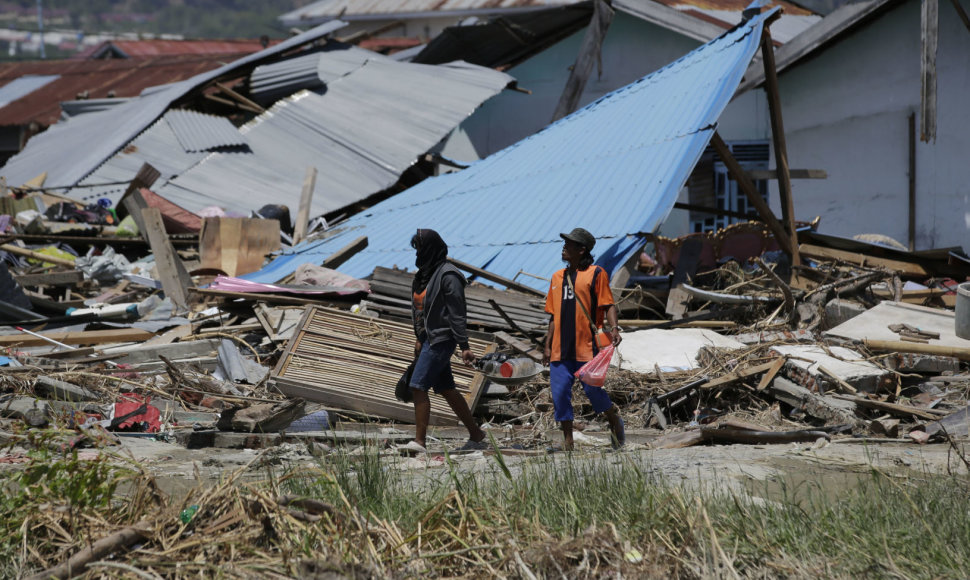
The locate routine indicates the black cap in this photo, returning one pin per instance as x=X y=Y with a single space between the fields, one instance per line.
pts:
x=581 y=237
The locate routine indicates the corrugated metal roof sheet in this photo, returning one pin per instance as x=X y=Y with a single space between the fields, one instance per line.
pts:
x=354 y=9
x=157 y=47
x=70 y=151
x=201 y=132
x=361 y=134
x=157 y=145
x=614 y=167
x=269 y=82
x=96 y=78
x=23 y=86
x=80 y=107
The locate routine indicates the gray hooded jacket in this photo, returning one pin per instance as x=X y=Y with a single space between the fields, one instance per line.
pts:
x=443 y=316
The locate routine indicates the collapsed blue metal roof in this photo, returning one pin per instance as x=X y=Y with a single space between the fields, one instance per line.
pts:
x=614 y=167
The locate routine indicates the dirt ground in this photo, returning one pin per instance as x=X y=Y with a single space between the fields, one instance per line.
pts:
x=762 y=470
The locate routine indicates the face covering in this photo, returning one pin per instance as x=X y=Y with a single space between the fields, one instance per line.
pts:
x=432 y=252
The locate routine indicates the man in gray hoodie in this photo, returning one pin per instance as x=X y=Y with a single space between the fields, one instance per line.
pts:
x=438 y=313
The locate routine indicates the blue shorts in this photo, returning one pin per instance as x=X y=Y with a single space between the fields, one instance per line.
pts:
x=561 y=377
x=433 y=369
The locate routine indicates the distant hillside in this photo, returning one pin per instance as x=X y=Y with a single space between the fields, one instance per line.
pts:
x=189 y=18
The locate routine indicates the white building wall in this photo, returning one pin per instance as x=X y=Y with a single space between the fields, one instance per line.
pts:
x=632 y=49
x=846 y=111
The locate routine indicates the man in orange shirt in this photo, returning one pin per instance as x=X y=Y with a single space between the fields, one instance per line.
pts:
x=579 y=297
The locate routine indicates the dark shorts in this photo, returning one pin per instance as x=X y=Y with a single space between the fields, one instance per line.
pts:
x=561 y=377
x=433 y=369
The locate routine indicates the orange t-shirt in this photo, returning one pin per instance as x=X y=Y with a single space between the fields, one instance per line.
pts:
x=572 y=338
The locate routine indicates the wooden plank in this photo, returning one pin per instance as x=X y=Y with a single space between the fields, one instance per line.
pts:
x=771 y=372
x=172 y=273
x=50 y=278
x=229 y=91
x=475 y=389
x=496 y=278
x=237 y=246
x=318 y=300
x=737 y=375
x=630 y=324
x=912 y=182
x=132 y=201
x=171 y=335
x=336 y=259
x=759 y=174
x=904 y=268
x=962 y=13
x=778 y=139
x=306 y=197
x=82 y=337
x=893 y=408
x=933 y=349
x=37 y=255
x=929 y=39
x=589 y=54
x=519 y=346
x=754 y=197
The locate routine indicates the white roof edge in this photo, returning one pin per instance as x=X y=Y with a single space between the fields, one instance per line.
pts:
x=670 y=18
x=812 y=39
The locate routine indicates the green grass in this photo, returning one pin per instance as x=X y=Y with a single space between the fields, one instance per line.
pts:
x=883 y=526
x=548 y=517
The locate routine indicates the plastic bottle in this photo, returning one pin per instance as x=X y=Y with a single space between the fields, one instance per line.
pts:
x=491 y=367
x=516 y=367
x=188 y=513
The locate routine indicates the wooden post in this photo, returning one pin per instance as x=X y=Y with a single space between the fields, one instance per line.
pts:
x=146 y=176
x=785 y=240
x=303 y=216
x=778 y=139
x=174 y=277
x=962 y=13
x=345 y=253
x=589 y=52
x=912 y=182
x=930 y=20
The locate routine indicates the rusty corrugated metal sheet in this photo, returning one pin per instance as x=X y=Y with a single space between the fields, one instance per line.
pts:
x=159 y=47
x=125 y=78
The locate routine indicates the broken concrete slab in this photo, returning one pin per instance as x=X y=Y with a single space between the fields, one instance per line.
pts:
x=840 y=310
x=874 y=324
x=814 y=368
x=909 y=362
x=670 y=350
x=828 y=409
x=62 y=391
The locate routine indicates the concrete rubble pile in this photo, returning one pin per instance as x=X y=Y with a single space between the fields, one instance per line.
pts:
x=109 y=336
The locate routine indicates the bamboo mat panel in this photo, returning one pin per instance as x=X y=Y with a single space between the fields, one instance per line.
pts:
x=353 y=362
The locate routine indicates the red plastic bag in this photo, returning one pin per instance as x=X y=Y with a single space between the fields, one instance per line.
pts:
x=594 y=372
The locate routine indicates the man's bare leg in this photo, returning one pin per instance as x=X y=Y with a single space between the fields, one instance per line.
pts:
x=422 y=415
x=460 y=407
x=567 y=435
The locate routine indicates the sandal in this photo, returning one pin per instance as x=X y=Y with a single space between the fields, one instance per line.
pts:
x=474 y=446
